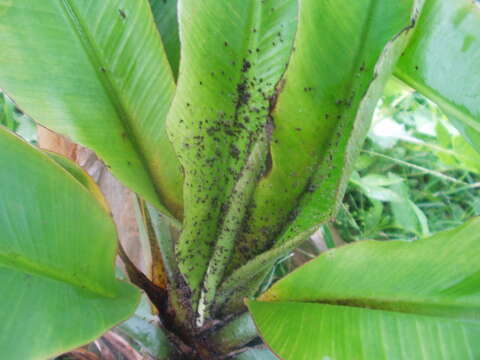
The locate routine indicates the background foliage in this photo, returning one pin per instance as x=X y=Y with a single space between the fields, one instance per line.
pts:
x=416 y=174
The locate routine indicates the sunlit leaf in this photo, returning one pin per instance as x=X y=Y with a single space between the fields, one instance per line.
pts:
x=379 y=300
x=96 y=72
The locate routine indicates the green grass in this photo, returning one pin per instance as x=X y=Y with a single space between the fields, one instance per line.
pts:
x=415 y=175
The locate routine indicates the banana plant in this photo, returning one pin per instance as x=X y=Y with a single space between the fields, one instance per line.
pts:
x=236 y=124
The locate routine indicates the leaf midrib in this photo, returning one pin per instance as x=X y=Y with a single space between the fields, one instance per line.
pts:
x=443 y=309
x=234 y=202
x=20 y=263
x=109 y=86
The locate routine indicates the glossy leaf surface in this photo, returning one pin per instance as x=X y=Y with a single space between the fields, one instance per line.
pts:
x=57 y=251
x=96 y=72
x=379 y=300
x=443 y=62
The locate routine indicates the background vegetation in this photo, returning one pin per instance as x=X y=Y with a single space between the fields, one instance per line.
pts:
x=416 y=175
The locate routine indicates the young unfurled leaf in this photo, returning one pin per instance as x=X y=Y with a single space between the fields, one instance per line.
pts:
x=220 y=120
x=320 y=120
x=337 y=106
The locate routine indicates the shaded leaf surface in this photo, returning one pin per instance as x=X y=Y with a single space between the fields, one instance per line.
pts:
x=165 y=15
x=256 y=354
x=144 y=330
x=80 y=175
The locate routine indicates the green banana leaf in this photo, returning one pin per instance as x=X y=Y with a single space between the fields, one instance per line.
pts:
x=337 y=113
x=165 y=15
x=321 y=118
x=443 y=62
x=96 y=72
x=57 y=252
x=380 y=300
x=233 y=54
